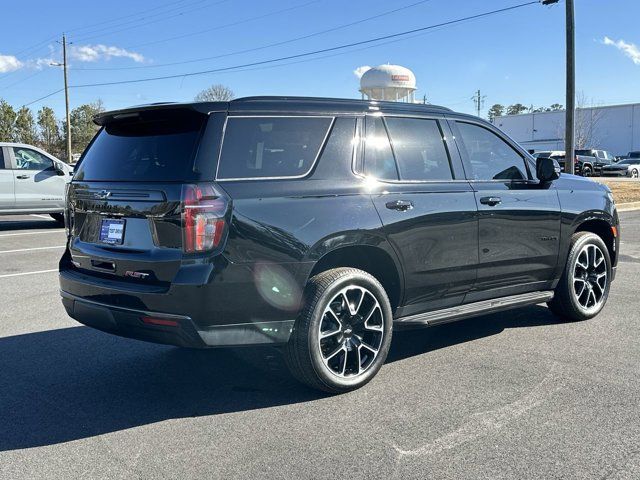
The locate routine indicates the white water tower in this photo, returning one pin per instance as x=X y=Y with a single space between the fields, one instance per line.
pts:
x=388 y=82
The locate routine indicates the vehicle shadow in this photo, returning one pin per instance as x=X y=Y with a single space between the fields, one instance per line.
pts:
x=20 y=223
x=73 y=383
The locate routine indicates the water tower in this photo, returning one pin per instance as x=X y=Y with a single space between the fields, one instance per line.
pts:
x=388 y=82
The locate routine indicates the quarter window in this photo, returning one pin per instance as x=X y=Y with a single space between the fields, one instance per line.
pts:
x=419 y=149
x=491 y=158
x=27 y=159
x=265 y=147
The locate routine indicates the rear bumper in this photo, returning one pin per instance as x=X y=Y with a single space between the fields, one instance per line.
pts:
x=182 y=332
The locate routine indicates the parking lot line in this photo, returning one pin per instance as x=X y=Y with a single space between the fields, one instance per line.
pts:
x=27 y=273
x=46 y=217
x=30 y=249
x=57 y=230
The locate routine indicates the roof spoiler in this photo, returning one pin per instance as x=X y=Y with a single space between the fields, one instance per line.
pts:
x=140 y=111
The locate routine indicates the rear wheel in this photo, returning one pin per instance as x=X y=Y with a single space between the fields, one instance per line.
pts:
x=584 y=286
x=342 y=336
x=587 y=171
x=58 y=217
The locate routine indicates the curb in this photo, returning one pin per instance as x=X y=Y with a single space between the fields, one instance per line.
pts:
x=628 y=206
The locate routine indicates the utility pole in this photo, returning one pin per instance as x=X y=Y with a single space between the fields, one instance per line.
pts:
x=478 y=99
x=569 y=130
x=66 y=94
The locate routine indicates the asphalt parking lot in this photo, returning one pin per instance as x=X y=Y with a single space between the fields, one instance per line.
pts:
x=509 y=395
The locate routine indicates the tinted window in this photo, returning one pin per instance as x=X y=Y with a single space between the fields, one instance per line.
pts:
x=27 y=159
x=378 y=157
x=586 y=153
x=154 y=150
x=491 y=157
x=419 y=149
x=271 y=146
x=1 y=158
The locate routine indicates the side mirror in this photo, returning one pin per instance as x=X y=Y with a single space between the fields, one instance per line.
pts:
x=547 y=169
x=59 y=169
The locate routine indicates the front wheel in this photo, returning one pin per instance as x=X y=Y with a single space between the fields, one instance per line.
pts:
x=584 y=286
x=342 y=336
x=634 y=173
x=587 y=172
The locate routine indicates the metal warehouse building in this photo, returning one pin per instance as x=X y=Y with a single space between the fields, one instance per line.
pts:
x=615 y=128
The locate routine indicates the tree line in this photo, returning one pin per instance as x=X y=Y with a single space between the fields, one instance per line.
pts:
x=45 y=130
x=498 y=110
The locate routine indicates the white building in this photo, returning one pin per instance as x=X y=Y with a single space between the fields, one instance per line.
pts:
x=388 y=82
x=615 y=128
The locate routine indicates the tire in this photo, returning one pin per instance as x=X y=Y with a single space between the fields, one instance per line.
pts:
x=58 y=217
x=577 y=297
x=331 y=348
x=587 y=172
x=634 y=173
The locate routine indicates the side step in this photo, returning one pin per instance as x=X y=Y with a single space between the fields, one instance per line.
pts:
x=460 y=312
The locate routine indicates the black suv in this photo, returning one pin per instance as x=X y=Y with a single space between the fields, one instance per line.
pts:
x=321 y=225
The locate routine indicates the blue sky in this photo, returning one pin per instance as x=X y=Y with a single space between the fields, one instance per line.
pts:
x=516 y=56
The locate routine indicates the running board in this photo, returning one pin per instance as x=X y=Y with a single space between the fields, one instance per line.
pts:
x=473 y=309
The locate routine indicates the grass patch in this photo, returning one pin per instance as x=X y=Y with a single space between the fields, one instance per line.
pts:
x=623 y=191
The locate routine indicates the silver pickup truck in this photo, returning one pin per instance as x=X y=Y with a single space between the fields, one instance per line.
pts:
x=32 y=181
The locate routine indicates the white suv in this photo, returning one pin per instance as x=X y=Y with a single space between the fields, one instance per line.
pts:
x=32 y=181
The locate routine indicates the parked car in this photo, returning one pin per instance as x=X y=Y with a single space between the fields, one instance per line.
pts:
x=322 y=225
x=31 y=181
x=624 y=168
x=590 y=162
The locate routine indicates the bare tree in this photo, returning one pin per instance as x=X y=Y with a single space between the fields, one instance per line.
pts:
x=587 y=121
x=215 y=93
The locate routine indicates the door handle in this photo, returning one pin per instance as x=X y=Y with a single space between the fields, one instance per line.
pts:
x=491 y=201
x=22 y=177
x=400 y=205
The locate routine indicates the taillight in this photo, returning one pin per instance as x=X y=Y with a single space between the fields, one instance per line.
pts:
x=203 y=218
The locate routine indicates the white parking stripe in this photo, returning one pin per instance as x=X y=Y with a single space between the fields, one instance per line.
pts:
x=30 y=249
x=57 y=230
x=46 y=217
x=27 y=273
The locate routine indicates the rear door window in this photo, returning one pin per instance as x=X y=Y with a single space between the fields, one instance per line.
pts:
x=378 y=157
x=271 y=147
x=150 y=150
x=418 y=145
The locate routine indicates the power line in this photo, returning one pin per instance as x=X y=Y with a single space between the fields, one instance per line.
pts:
x=315 y=52
x=115 y=19
x=301 y=55
x=42 y=98
x=284 y=42
x=219 y=27
x=107 y=31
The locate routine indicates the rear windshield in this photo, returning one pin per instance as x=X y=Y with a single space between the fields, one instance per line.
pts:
x=268 y=147
x=586 y=153
x=151 y=150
